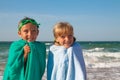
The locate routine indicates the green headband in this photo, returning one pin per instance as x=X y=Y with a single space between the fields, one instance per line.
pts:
x=23 y=22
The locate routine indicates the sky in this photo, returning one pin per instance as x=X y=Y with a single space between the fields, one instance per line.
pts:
x=92 y=20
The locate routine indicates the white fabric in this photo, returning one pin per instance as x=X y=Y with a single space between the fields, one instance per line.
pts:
x=66 y=64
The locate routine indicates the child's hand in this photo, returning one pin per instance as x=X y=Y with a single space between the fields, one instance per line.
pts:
x=26 y=51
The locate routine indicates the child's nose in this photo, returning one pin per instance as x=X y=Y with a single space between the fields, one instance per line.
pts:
x=67 y=38
x=30 y=33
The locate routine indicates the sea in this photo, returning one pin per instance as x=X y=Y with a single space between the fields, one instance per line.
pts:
x=88 y=47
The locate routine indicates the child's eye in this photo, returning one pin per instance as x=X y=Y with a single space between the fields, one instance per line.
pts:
x=70 y=35
x=33 y=30
x=26 y=31
x=62 y=36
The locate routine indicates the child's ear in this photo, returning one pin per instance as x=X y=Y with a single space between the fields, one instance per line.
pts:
x=19 y=33
x=56 y=40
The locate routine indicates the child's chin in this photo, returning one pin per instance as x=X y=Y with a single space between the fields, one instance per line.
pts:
x=30 y=41
x=66 y=46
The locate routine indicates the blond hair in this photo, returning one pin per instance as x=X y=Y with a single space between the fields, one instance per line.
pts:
x=62 y=28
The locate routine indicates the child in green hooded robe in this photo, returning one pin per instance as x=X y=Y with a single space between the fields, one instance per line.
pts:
x=27 y=57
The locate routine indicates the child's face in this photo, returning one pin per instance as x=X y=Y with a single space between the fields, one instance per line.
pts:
x=28 y=32
x=65 y=40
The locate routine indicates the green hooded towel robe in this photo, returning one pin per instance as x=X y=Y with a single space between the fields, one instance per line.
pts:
x=35 y=65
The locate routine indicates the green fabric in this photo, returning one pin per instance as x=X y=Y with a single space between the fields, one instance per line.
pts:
x=28 y=21
x=36 y=62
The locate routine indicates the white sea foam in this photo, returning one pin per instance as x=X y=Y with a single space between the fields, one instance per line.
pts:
x=102 y=60
x=94 y=49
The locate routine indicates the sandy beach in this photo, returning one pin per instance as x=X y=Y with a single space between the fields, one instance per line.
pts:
x=103 y=66
x=99 y=66
x=98 y=74
x=112 y=73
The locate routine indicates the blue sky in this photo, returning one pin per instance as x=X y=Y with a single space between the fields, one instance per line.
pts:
x=93 y=20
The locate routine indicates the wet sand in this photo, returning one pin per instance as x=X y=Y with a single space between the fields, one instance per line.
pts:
x=103 y=73
x=112 y=73
x=103 y=66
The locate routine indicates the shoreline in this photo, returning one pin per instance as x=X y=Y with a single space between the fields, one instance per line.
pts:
x=112 y=73
x=98 y=66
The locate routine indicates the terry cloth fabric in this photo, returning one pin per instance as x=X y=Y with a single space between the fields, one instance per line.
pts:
x=66 y=64
x=35 y=65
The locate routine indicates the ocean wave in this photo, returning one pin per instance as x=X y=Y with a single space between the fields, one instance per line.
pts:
x=102 y=49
